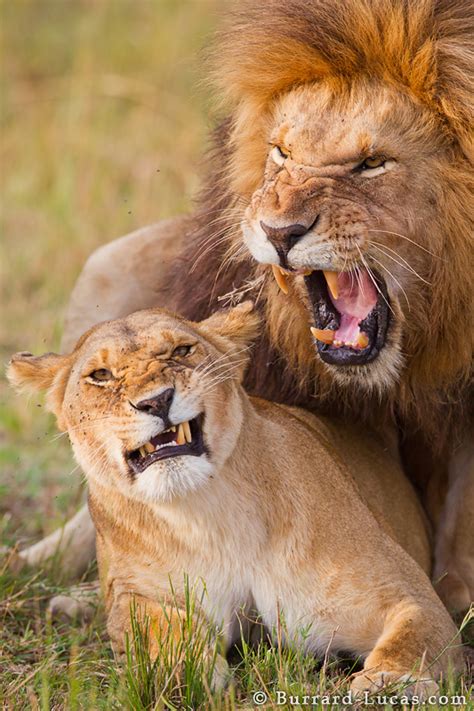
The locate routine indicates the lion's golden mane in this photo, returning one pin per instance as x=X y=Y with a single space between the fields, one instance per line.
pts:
x=422 y=48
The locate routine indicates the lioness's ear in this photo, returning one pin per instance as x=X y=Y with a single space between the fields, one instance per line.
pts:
x=49 y=372
x=31 y=373
x=239 y=324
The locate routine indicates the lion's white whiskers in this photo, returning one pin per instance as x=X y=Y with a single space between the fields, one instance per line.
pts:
x=406 y=265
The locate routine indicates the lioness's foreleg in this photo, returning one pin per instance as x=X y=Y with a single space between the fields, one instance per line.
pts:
x=411 y=651
x=74 y=543
x=166 y=630
x=118 y=278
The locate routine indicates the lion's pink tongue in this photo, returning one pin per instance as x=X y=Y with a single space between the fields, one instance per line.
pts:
x=356 y=298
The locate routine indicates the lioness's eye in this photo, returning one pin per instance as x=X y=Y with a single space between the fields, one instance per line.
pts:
x=278 y=155
x=181 y=351
x=102 y=375
x=372 y=162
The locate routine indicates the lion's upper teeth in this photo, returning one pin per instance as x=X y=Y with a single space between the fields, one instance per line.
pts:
x=281 y=278
x=331 y=279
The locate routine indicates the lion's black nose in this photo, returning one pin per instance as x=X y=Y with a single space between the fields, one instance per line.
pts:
x=284 y=238
x=159 y=405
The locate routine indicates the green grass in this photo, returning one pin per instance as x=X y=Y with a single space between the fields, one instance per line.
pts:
x=103 y=125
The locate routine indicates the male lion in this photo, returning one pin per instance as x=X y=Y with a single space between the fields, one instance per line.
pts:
x=346 y=164
x=268 y=507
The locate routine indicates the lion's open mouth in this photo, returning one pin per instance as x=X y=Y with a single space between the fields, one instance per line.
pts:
x=351 y=315
x=183 y=439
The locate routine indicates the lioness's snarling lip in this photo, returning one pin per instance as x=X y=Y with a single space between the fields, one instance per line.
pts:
x=351 y=315
x=185 y=438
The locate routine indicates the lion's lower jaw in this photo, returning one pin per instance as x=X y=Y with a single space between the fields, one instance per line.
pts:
x=380 y=376
x=376 y=378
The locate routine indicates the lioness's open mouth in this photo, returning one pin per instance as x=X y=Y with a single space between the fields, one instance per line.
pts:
x=183 y=439
x=350 y=311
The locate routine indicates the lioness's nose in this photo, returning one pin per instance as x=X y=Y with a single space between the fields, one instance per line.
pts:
x=284 y=238
x=159 y=405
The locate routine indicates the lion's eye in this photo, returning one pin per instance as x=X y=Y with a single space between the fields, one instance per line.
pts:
x=102 y=375
x=374 y=165
x=181 y=351
x=372 y=162
x=278 y=155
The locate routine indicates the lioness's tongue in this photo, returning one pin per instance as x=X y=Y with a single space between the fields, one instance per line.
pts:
x=356 y=297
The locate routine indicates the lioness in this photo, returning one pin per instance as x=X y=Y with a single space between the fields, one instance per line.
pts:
x=274 y=508
x=345 y=168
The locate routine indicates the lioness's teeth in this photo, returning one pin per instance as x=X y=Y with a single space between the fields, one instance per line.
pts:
x=142 y=451
x=187 y=432
x=280 y=278
x=173 y=428
x=363 y=340
x=307 y=272
x=324 y=335
x=149 y=447
x=181 y=438
x=331 y=279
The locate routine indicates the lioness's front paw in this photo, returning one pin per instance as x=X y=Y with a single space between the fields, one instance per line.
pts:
x=220 y=673
x=12 y=559
x=404 y=684
x=80 y=605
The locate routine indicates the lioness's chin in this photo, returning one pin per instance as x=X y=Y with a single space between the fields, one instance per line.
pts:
x=168 y=479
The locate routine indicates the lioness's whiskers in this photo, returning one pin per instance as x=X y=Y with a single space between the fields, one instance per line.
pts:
x=224 y=356
x=84 y=425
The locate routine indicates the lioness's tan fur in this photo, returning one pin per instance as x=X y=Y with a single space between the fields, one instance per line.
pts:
x=286 y=511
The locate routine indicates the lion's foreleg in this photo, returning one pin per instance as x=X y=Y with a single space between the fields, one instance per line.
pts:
x=453 y=573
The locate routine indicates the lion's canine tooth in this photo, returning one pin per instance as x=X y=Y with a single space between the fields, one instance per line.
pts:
x=324 y=335
x=280 y=278
x=148 y=447
x=331 y=279
x=363 y=340
x=173 y=428
x=180 y=439
x=187 y=432
x=142 y=451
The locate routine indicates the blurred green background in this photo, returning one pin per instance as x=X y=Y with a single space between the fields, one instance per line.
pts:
x=103 y=125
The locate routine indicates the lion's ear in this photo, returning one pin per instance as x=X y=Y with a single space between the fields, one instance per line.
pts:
x=30 y=373
x=239 y=324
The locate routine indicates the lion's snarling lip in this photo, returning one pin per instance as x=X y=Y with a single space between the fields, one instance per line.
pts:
x=351 y=315
x=184 y=439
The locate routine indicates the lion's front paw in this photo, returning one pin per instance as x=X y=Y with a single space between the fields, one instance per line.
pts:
x=402 y=684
